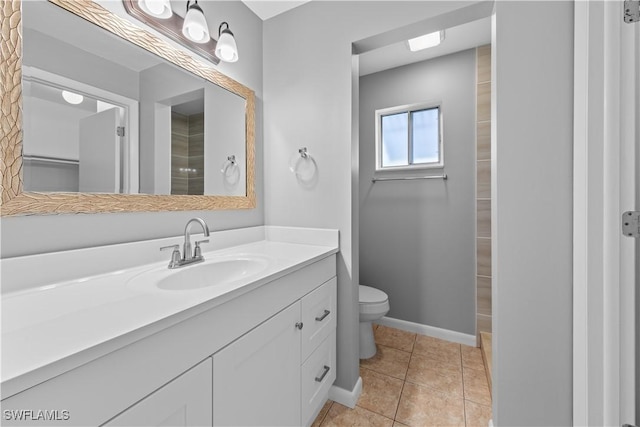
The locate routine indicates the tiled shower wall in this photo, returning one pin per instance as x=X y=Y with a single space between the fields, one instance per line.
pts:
x=187 y=152
x=483 y=190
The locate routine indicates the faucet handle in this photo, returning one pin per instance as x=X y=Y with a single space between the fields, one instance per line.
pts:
x=175 y=255
x=197 y=252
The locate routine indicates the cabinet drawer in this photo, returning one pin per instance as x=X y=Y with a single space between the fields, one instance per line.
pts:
x=317 y=376
x=318 y=316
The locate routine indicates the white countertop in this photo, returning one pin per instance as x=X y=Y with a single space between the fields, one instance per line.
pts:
x=50 y=329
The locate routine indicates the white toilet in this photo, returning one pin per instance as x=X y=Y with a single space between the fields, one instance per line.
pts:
x=373 y=305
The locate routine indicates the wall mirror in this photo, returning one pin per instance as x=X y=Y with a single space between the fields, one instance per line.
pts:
x=115 y=119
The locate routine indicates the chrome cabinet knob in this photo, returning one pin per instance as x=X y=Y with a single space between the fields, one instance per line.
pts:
x=299 y=325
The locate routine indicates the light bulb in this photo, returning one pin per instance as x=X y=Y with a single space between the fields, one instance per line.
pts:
x=226 y=53
x=226 y=48
x=195 y=33
x=195 y=26
x=157 y=8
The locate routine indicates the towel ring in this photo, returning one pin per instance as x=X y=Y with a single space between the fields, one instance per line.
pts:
x=229 y=163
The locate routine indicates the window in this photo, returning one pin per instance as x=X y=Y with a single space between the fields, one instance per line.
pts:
x=409 y=137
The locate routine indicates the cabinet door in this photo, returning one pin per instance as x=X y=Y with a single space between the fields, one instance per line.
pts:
x=185 y=401
x=257 y=377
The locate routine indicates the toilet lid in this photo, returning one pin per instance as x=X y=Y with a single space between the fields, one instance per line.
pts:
x=369 y=295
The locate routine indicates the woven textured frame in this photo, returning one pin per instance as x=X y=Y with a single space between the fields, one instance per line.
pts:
x=16 y=202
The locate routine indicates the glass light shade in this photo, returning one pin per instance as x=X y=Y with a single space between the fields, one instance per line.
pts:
x=72 y=98
x=157 y=8
x=226 y=48
x=426 y=41
x=195 y=26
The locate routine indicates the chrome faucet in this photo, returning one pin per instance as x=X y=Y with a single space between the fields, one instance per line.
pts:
x=187 y=256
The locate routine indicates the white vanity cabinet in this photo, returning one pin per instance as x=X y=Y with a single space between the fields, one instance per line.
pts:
x=240 y=361
x=279 y=373
x=185 y=401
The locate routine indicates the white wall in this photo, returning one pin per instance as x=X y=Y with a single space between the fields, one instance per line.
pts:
x=38 y=234
x=417 y=238
x=532 y=141
x=308 y=93
x=52 y=128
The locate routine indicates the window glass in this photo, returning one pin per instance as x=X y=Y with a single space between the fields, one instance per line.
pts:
x=409 y=137
x=426 y=136
x=395 y=148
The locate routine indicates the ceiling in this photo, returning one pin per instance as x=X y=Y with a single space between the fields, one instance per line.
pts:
x=266 y=9
x=462 y=37
x=467 y=36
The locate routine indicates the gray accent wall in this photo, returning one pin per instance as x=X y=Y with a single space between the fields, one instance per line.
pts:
x=27 y=235
x=417 y=238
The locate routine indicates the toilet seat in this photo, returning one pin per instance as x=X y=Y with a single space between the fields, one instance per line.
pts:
x=369 y=295
x=373 y=300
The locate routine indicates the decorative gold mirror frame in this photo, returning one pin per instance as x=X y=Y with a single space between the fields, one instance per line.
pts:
x=16 y=202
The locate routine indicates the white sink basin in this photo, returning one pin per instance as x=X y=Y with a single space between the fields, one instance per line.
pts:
x=214 y=272
x=211 y=273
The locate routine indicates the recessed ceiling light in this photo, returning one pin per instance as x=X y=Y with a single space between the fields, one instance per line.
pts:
x=71 y=97
x=426 y=41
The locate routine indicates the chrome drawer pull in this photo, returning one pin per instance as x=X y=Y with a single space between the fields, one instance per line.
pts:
x=325 y=314
x=324 y=374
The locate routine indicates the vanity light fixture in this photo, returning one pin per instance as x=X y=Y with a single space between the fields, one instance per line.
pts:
x=195 y=26
x=226 y=48
x=426 y=41
x=156 y=8
x=72 y=98
x=192 y=31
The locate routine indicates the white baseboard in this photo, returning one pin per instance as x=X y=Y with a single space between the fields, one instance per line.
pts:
x=346 y=397
x=431 y=331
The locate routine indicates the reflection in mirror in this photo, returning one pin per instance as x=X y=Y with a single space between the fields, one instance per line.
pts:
x=74 y=136
x=187 y=147
x=99 y=145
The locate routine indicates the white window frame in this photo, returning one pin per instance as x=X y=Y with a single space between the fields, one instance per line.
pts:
x=408 y=109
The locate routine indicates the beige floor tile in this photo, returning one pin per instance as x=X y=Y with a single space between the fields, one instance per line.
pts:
x=476 y=387
x=397 y=424
x=423 y=407
x=438 y=350
x=477 y=415
x=447 y=381
x=388 y=361
x=380 y=393
x=472 y=357
x=429 y=361
x=341 y=416
x=396 y=338
x=322 y=414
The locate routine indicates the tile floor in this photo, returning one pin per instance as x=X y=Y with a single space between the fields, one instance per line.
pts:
x=416 y=381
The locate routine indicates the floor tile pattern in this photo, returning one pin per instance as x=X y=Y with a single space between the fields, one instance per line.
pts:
x=416 y=381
